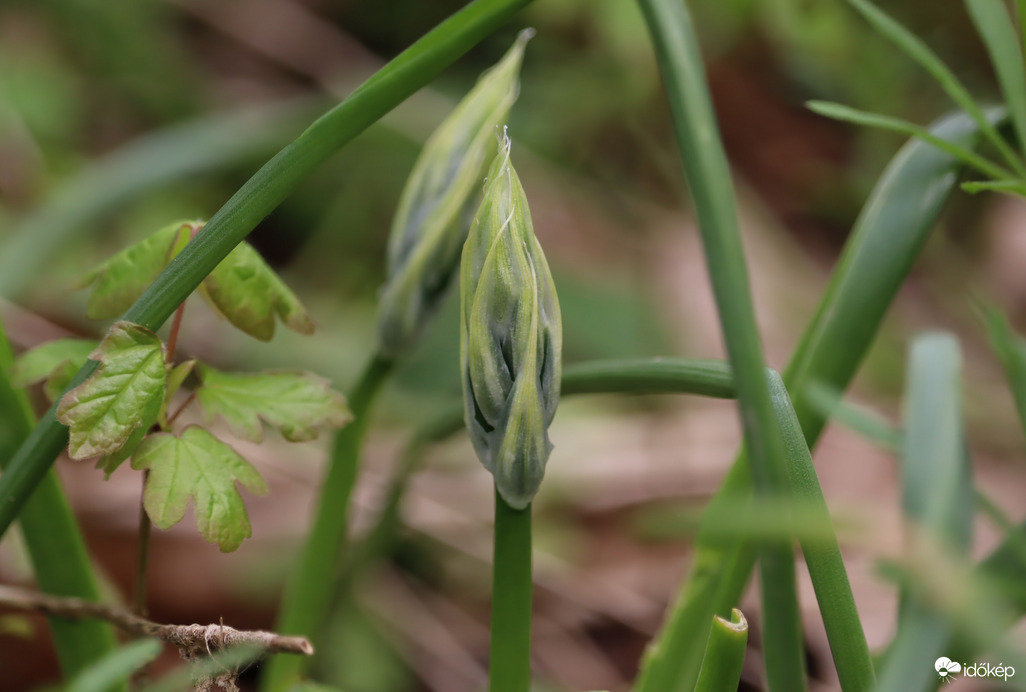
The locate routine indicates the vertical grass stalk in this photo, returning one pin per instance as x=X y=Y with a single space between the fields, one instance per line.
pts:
x=709 y=182
x=56 y=549
x=509 y=668
x=725 y=654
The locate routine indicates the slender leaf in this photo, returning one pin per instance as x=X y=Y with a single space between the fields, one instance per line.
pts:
x=1008 y=187
x=937 y=495
x=725 y=655
x=256 y=199
x=884 y=122
x=197 y=465
x=298 y=405
x=709 y=182
x=994 y=25
x=928 y=60
x=123 y=395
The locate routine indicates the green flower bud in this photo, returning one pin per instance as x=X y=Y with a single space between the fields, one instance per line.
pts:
x=431 y=222
x=511 y=338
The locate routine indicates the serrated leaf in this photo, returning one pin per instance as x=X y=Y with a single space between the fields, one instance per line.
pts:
x=42 y=362
x=247 y=292
x=296 y=404
x=197 y=465
x=119 y=281
x=123 y=394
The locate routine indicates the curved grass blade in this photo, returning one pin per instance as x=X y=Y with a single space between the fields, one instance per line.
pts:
x=937 y=495
x=888 y=235
x=709 y=181
x=725 y=654
x=994 y=24
x=1007 y=187
x=257 y=198
x=114 y=670
x=885 y=122
x=55 y=545
x=1011 y=351
x=928 y=60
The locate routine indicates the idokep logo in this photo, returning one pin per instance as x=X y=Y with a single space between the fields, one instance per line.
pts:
x=947 y=670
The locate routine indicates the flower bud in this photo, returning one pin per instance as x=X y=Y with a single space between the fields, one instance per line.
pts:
x=431 y=221
x=510 y=338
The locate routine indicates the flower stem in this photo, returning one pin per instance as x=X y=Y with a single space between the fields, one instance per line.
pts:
x=142 y=556
x=510 y=667
x=308 y=593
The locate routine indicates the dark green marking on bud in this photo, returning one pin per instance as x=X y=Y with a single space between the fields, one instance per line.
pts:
x=510 y=337
x=431 y=221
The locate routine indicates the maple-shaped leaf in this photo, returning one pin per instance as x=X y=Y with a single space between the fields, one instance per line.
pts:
x=56 y=362
x=123 y=394
x=247 y=292
x=198 y=465
x=119 y=281
x=297 y=404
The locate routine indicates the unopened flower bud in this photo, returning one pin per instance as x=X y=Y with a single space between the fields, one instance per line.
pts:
x=431 y=221
x=510 y=338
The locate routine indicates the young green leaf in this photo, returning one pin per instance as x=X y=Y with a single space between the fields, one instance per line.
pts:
x=125 y=392
x=249 y=294
x=118 y=282
x=56 y=362
x=296 y=404
x=198 y=465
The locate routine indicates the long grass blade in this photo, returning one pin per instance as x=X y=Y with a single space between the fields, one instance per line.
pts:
x=55 y=545
x=928 y=60
x=711 y=188
x=112 y=671
x=937 y=496
x=1011 y=351
x=838 y=111
x=413 y=68
x=888 y=235
x=994 y=24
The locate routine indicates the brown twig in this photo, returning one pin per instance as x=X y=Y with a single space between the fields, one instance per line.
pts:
x=191 y=640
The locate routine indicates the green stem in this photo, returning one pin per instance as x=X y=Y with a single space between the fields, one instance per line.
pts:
x=389 y=87
x=308 y=593
x=509 y=669
x=725 y=655
x=888 y=236
x=53 y=540
x=709 y=181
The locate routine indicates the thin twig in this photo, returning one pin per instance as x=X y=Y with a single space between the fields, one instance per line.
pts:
x=191 y=640
x=188 y=400
x=143 y=555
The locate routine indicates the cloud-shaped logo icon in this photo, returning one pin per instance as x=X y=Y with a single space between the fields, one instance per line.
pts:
x=945 y=667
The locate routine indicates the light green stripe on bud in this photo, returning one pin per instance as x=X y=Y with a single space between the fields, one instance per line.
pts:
x=431 y=222
x=511 y=337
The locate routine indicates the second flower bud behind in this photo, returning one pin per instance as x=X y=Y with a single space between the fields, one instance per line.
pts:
x=430 y=224
x=510 y=338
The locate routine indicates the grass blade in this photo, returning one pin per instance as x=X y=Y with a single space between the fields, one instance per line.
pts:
x=888 y=235
x=994 y=24
x=52 y=537
x=395 y=82
x=885 y=122
x=928 y=60
x=725 y=654
x=937 y=495
x=1007 y=187
x=709 y=182
x=303 y=606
